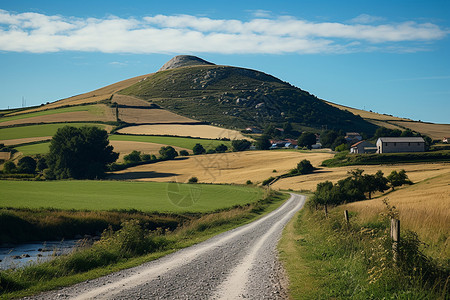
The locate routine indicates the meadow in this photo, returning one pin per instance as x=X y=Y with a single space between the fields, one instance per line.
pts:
x=182 y=142
x=33 y=149
x=42 y=130
x=115 y=195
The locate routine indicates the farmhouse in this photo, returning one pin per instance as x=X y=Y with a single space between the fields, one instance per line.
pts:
x=363 y=147
x=352 y=137
x=400 y=144
x=445 y=140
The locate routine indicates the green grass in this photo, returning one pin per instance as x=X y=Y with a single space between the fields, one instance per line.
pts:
x=33 y=149
x=108 y=195
x=181 y=142
x=11 y=133
x=93 y=109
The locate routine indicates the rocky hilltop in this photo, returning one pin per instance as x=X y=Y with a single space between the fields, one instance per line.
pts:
x=184 y=61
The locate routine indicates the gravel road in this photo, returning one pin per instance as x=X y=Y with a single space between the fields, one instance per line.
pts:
x=237 y=264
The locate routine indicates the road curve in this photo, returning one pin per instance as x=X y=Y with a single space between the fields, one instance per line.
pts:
x=240 y=263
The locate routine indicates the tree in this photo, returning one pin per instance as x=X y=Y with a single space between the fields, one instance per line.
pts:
x=26 y=165
x=398 y=178
x=42 y=164
x=146 y=157
x=193 y=179
x=240 y=145
x=168 y=152
x=184 y=153
x=9 y=167
x=262 y=142
x=80 y=153
x=133 y=157
x=307 y=139
x=198 y=149
x=221 y=148
x=304 y=167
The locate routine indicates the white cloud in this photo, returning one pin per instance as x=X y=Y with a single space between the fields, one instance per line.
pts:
x=39 y=33
x=366 y=19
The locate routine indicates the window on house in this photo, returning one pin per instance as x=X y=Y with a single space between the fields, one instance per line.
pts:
x=395 y=144
x=409 y=144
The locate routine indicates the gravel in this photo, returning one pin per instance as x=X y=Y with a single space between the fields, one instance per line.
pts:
x=238 y=264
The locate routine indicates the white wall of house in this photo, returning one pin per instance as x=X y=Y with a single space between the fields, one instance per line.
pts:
x=395 y=145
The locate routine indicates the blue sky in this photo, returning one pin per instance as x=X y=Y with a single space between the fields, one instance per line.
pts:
x=390 y=57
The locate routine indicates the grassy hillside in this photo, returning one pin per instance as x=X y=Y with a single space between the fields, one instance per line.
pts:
x=108 y=195
x=237 y=97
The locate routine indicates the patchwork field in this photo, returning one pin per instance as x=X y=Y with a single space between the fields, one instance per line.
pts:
x=149 y=116
x=234 y=167
x=129 y=101
x=98 y=112
x=415 y=172
x=424 y=208
x=44 y=130
x=125 y=147
x=113 y=195
x=34 y=149
x=201 y=131
x=181 y=142
x=435 y=131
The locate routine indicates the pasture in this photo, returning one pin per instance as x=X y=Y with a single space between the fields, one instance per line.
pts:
x=148 y=116
x=115 y=195
x=181 y=142
x=33 y=149
x=42 y=130
x=125 y=147
x=231 y=167
x=201 y=131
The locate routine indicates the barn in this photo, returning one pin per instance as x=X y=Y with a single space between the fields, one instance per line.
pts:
x=400 y=144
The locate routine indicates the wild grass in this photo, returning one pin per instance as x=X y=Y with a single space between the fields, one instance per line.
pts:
x=116 y=195
x=127 y=247
x=38 y=130
x=33 y=149
x=327 y=259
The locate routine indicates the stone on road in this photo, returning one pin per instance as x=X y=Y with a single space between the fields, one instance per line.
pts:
x=238 y=264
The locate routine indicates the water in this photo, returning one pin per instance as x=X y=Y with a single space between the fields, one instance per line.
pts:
x=36 y=252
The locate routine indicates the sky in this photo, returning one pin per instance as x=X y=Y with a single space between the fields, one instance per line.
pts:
x=391 y=57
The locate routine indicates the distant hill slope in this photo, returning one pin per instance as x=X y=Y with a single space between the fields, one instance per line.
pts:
x=237 y=97
x=184 y=61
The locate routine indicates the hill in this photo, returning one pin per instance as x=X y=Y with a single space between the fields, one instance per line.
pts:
x=237 y=97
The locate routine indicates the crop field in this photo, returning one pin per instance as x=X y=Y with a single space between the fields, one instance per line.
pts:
x=125 y=147
x=201 y=131
x=99 y=112
x=114 y=195
x=145 y=115
x=234 y=167
x=435 y=131
x=424 y=208
x=33 y=149
x=181 y=142
x=129 y=100
x=43 y=130
x=415 y=172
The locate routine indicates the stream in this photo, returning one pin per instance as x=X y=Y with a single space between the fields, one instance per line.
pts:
x=16 y=256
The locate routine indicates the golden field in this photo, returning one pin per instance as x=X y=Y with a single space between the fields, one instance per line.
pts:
x=149 y=116
x=201 y=131
x=232 y=167
x=435 y=131
x=424 y=208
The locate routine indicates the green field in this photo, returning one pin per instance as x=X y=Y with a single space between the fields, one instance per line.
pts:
x=181 y=142
x=34 y=149
x=38 y=130
x=109 y=195
x=93 y=109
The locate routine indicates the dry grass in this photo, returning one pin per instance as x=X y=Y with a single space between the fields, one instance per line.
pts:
x=424 y=208
x=24 y=140
x=100 y=94
x=102 y=113
x=148 y=116
x=125 y=147
x=5 y=155
x=435 y=131
x=129 y=101
x=416 y=172
x=234 y=167
x=201 y=131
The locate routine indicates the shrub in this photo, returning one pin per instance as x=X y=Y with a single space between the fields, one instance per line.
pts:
x=168 y=153
x=26 y=165
x=9 y=167
x=305 y=167
x=198 y=149
x=268 y=180
x=193 y=180
x=146 y=157
x=240 y=145
x=210 y=151
x=221 y=148
x=249 y=182
x=184 y=153
x=134 y=156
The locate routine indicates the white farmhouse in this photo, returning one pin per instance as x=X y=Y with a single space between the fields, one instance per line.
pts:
x=400 y=144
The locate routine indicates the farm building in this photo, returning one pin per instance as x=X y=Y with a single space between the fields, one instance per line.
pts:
x=445 y=140
x=353 y=137
x=363 y=147
x=400 y=144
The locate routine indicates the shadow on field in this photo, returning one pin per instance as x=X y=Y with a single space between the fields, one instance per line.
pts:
x=141 y=175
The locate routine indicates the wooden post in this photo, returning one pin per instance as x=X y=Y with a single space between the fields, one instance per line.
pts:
x=346 y=216
x=326 y=210
x=395 y=236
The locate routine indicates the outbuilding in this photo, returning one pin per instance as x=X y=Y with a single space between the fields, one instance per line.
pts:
x=400 y=144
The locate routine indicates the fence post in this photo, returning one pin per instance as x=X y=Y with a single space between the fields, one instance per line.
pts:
x=346 y=216
x=326 y=210
x=395 y=236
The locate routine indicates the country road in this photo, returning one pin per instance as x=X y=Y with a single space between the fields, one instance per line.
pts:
x=237 y=264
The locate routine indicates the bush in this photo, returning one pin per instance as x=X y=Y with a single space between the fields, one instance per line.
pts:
x=240 y=145
x=193 y=180
x=26 y=165
x=9 y=167
x=249 y=182
x=134 y=156
x=305 y=167
x=268 y=180
x=221 y=148
x=210 y=151
x=184 y=153
x=198 y=149
x=168 y=153
x=146 y=157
